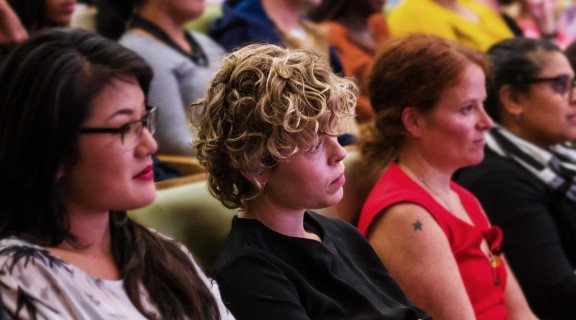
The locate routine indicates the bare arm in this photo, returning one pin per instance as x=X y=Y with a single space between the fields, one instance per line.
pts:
x=417 y=253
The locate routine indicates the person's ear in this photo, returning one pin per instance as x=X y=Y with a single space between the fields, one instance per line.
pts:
x=256 y=178
x=411 y=119
x=511 y=101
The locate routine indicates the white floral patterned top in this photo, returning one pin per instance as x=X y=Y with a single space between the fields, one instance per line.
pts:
x=37 y=285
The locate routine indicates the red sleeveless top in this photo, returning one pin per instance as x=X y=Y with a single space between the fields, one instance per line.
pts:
x=484 y=279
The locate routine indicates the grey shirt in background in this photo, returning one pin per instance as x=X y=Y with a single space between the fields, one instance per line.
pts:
x=177 y=82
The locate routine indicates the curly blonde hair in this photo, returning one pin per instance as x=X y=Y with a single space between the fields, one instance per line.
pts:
x=264 y=105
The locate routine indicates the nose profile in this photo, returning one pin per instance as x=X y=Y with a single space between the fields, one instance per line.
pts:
x=572 y=95
x=147 y=143
x=339 y=153
x=485 y=122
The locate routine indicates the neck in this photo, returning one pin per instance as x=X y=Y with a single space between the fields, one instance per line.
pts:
x=92 y=231
x=173 y=28
x=419 y=167
x=285 y=14
x=515 y=127
x=287 y=222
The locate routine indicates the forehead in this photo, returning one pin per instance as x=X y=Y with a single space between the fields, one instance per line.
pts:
x=554 y=63
x=122 y=95
x=470 y=85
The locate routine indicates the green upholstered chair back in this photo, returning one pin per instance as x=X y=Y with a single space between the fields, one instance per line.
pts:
x=202 y=23
x=190 y=215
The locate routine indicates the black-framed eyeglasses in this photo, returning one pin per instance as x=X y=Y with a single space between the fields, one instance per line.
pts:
x=560 y=84
x=131 y=132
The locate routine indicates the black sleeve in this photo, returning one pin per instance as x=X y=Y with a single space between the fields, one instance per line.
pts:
x=518 y=204
x=253 y=288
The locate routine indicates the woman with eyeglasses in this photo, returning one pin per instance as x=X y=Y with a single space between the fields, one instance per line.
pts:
x=75 y=155
x=526 y=182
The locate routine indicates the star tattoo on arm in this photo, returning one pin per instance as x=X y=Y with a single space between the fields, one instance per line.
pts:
x=417 y=225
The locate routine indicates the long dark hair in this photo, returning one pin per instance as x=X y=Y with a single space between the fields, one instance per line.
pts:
x=113 y=16
x=47 y=85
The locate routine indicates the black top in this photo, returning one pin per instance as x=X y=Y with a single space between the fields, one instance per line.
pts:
x=266 y=275
x=539 y=231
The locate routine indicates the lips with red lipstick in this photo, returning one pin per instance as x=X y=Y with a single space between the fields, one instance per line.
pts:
x=147 y=174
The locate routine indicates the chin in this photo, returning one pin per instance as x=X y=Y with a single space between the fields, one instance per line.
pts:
x=474 y=161
x=331 y=201
x=147 y=197
x=141 y=199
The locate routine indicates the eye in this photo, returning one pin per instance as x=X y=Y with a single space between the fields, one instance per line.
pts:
x=561 y=85
x=318 y=145
x=466 y=109
x=125 y=128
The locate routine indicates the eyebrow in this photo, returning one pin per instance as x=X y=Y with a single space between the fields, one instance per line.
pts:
x=121 y=112
x=562 y=75
x=126 y=111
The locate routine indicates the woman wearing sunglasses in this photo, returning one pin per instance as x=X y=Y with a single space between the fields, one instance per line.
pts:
x=526 y=182
x=75 y=154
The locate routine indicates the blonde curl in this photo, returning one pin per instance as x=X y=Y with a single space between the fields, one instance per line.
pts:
x=265 y=104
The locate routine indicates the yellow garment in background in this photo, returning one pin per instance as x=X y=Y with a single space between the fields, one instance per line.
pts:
x=426 y=16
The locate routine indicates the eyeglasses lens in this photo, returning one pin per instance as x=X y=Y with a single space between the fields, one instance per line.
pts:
x=132 y=136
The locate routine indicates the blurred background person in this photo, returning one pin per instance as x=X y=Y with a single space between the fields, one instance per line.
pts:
x=37 y=15
x=526 y=181
x=11 y=30
x=281 y=22
x=538 y=19
x=356 y=29
x=19 y=18
x=467 y=22
x=183 y=62
x=432 y=234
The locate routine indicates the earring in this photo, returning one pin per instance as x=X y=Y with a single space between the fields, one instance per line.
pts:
x=518 y=117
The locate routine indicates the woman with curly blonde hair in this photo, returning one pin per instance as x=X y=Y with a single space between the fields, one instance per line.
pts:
x=267 y=136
